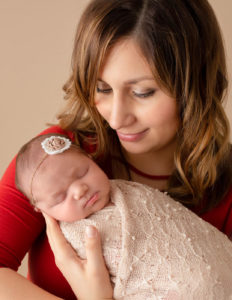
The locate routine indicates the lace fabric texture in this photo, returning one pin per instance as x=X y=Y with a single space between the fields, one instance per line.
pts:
x=155 y=248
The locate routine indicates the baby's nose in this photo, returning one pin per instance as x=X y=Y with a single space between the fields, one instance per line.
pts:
x=80 y=191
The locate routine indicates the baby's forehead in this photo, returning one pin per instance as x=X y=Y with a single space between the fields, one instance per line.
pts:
x=72 y=154
x=69 y=158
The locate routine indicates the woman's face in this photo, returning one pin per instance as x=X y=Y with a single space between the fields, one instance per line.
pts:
x=127 y=96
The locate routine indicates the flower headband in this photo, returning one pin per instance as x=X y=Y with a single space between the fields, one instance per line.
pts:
x=55 y=144
x=51 y=145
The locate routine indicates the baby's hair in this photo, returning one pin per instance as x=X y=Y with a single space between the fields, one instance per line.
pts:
x=28 y=160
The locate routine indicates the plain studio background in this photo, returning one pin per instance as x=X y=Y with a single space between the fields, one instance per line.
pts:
x=35 y=55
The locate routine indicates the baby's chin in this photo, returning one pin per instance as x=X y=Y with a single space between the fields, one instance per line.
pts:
x=73 y=219
x=69 y=219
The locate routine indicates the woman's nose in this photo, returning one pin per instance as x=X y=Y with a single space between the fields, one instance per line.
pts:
x=120 y=114
x=78 y=190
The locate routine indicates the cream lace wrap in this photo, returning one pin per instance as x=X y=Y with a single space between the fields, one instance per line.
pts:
x=155 y=248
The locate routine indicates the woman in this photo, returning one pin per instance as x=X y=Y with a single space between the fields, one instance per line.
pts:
x=145 y=98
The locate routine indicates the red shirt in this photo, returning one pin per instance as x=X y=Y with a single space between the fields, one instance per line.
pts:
x=22 y=230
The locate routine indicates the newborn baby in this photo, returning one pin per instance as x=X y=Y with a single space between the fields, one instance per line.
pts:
x=154 y=247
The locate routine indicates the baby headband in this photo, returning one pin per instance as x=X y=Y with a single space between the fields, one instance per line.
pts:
x=55 y=144
x=51 y=145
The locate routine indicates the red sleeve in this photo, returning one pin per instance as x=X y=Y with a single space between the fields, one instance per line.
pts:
x=227 y=225
x=221 y=216
x=20 y=225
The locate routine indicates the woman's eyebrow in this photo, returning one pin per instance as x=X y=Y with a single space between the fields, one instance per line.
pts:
x=132 y=81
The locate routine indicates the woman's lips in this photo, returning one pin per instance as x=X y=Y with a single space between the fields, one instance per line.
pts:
x=131 y=137
x=92 y=200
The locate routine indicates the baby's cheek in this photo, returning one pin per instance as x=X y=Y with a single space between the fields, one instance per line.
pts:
x=53 y=212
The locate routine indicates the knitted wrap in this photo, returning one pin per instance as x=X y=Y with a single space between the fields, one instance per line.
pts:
x=155 y=248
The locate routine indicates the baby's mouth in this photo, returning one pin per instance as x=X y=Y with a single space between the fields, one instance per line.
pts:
x=92 y=200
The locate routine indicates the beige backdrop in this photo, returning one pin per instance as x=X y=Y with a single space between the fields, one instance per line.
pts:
x=36 y=44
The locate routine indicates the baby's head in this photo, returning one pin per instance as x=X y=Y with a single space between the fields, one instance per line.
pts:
x=60 y=179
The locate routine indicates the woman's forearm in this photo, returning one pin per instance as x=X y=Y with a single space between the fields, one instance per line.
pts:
x=14 y=286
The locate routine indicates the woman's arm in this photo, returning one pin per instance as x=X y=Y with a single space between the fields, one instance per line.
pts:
x=20 y=226
x=15 y=286
x=89 y=279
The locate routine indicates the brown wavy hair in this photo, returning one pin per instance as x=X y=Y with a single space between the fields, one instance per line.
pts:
x=182 y=42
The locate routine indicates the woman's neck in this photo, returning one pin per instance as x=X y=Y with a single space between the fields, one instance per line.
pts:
x=161 y=185
x=122 y=171
x=152 y=163
x=159 y=162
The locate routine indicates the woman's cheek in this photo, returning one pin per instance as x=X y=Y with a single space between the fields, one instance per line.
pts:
x=103 y=108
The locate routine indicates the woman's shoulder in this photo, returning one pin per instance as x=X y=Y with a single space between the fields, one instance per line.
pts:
x=9 y=175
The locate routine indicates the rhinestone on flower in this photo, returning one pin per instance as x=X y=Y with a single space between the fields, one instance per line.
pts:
x=55 y=144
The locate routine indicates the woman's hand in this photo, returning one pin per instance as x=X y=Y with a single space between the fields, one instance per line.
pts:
x=89 y=279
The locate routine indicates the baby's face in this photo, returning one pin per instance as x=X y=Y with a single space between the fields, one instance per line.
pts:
x=70 y=186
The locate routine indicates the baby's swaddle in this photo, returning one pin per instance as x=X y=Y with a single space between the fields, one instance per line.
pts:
x=155 y=248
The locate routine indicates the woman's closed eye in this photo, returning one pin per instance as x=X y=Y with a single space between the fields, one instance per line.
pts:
x=104 y=91
x=136 y=94
x=144 y=95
